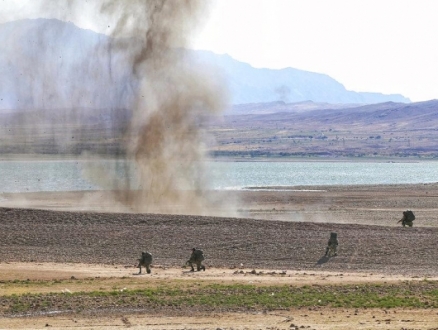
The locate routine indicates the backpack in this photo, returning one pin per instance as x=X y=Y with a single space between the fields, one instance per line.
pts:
x=199 y=255
x=410 y=215
x=333 y=236
x=146 y=257
x=333 y=239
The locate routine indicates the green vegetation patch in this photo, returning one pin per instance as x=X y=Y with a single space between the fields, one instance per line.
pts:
x=235 y=297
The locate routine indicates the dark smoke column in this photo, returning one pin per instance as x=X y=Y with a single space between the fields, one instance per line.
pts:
x=165 y=138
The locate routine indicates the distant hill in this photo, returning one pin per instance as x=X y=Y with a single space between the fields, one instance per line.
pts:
x=252 y=85
x=412 y=116
x=281 y=106
x=47 y=63
x=273 y=130
x=66 y=90
x=264 y=130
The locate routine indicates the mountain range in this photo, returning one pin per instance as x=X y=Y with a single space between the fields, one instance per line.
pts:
x=48 y=63
x=253 y=85
x=66 y=90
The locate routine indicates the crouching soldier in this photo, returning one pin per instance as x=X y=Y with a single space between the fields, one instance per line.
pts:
x=196 y=257
x=145 y=261
x=407 y=219
x=332 y=245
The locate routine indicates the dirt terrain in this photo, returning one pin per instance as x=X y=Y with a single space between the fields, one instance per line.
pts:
x=110 y=277
x=283 y=131
x=73 y=239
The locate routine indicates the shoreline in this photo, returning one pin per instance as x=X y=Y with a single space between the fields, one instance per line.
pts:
x=356 y=204
x=48 y=157
x=324 y=160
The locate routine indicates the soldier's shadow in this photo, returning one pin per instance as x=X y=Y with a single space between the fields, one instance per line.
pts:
x=322 y=260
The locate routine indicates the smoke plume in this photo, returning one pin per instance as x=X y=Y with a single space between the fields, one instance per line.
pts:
x=167 y=101
x=164 y=138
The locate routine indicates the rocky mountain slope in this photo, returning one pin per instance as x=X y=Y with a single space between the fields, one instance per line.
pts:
x=47 y=63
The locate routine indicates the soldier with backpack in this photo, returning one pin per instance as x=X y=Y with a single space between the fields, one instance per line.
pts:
x=145 y=261
x=332 y=245
x=407 y=219
x=196 y=257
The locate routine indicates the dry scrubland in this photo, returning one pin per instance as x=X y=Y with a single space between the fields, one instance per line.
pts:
x=265 y=268
x=285 y=131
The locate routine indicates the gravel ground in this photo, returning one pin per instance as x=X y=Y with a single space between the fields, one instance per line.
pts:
x=277 y=229
x=29 y=235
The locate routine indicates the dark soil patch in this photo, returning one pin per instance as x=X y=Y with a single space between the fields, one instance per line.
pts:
x=106 y=238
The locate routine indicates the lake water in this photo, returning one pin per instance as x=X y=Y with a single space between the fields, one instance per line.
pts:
x=25 y=176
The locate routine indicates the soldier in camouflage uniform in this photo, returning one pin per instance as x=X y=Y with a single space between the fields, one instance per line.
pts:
x=408 y=218
x=196 y=257
x=145 y=261
x=332 y=245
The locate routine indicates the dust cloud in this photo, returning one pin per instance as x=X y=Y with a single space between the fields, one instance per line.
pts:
x=165 y=136
x=167 y=100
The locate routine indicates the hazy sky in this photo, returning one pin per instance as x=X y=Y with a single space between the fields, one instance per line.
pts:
x=386 y=46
